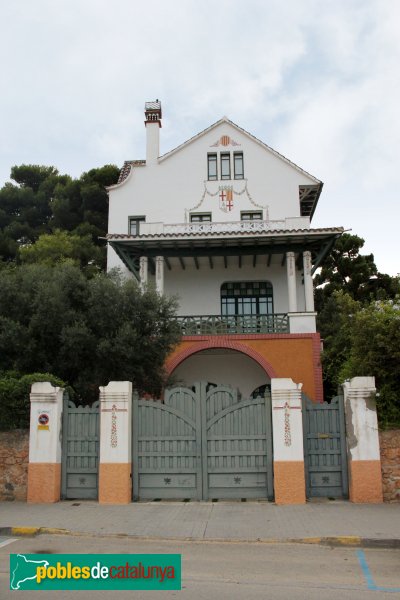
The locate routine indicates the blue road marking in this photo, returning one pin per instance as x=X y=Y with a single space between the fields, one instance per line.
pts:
x=368 y=577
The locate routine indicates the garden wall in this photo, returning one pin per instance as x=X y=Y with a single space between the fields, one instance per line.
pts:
x=390 y=459
x=14 y=447
x=14 y=451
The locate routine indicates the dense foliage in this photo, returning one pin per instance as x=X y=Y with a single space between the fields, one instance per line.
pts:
x=87 y=331
x=42 y=201
x=14 y=397
x=359 y=322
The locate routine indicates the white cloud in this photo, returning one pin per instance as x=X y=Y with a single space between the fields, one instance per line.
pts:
x=319 y=81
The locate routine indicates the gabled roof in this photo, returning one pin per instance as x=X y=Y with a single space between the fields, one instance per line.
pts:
x=308 y=194
x=246 y=133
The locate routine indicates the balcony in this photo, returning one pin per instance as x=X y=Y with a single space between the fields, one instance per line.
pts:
x=233 y=324
x=228 y=227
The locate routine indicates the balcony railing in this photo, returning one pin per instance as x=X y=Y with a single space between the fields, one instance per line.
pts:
x=227 y=227
x=219 y=325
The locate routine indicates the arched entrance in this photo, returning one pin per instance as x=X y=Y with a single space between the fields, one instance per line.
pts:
x=221 y=366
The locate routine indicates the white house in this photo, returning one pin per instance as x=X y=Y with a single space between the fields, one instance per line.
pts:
x=223 y=221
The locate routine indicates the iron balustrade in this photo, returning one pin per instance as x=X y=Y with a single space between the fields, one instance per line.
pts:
x=231 y=324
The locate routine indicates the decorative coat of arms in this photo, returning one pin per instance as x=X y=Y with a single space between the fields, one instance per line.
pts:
x=226 y=197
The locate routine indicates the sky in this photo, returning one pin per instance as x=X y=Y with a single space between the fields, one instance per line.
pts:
x=318 y=80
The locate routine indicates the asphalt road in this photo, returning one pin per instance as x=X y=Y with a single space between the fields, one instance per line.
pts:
x=232 y=570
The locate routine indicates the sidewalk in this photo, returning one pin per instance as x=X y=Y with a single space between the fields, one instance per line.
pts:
x=347 y=523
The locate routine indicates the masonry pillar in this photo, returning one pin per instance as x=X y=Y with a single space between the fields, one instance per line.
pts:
x=144 y=272
x=115 y=468
x=308 y=282
x=363 y=452
x=44 y=469
x=160 y=274
x=291 y=278
x=287 y=427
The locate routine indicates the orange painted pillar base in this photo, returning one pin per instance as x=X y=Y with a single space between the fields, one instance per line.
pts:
x=365 y=481
x=44 y=482
x=115 y=483
x=289 y=482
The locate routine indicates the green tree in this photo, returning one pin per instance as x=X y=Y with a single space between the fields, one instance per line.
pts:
x=44 y=201
x=62 y=246
x=347 y=281
x=85 y=331
x=335 y=321
x=375 y=350
x=345 y=269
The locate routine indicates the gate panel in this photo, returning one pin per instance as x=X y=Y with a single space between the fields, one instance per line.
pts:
x=237 y=445
x=80 y=451
x=167 y=446
x=325 y=457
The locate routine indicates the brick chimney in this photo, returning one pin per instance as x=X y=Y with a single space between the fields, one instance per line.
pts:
x=152 y=112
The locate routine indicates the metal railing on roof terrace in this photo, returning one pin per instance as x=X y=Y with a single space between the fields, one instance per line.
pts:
x=219 y=325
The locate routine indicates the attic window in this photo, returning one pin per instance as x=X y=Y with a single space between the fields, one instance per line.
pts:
x=238 y=165
x=225 y=165
x=212 y=172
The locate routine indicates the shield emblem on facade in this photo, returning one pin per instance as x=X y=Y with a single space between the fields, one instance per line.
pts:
x=226 y=198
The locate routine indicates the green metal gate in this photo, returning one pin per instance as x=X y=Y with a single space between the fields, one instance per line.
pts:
x=325 y=457
x=202 y=443
x=80 y=450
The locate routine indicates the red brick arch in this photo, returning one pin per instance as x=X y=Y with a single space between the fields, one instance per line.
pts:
x=219 y=342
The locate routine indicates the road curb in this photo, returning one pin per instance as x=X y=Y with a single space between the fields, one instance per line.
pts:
x=351 y=541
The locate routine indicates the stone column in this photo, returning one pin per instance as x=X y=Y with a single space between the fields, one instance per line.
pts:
x=160 y=274
x=363 y=452
x=144 y=272
x=44 y=469
x=291 y=278
x=308 y=282
x=115 y=468
x=287 y=427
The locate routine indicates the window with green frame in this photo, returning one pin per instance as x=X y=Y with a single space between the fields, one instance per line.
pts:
x=247 y=298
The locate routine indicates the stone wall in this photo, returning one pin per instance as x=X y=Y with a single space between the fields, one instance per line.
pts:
x=14 y=450
x=390 y=459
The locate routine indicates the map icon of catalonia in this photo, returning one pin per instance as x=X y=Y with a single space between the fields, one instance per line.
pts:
x=25 y=570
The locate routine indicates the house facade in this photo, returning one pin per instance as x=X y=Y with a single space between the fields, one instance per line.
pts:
x=223 y=222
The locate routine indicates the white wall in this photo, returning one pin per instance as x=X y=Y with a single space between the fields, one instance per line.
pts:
x=234 y=369
x=163 y=191
x=188 y=283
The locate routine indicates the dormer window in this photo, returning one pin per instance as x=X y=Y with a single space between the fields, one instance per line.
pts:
x=225 y=165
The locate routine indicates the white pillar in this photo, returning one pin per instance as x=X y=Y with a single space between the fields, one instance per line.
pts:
x=160 y=274
x=363 y=450
x=144 y=272
x=115 y=468
x=287 y=427
x=308 y=282
x=44 y=470
x=291 y=278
